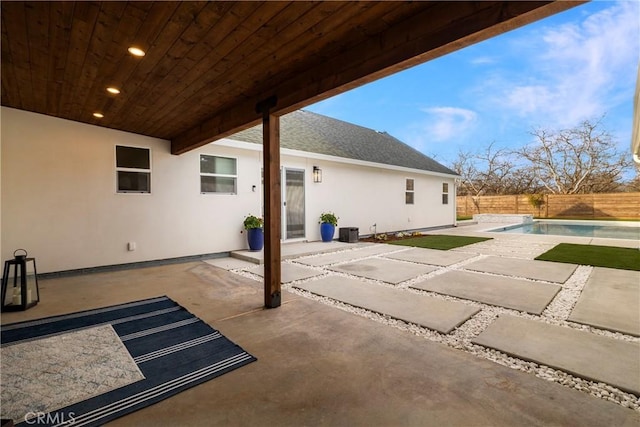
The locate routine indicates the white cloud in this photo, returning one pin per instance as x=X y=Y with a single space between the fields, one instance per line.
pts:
x=441 y=124
x=444 y=123
x=572 y=72
x=483 y=60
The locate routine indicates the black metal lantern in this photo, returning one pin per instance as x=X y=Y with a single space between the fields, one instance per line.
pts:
x=24 y=293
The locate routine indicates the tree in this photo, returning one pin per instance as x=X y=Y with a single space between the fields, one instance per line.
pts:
x=522 y=181
x=633 y=185
x=583 y=159
x=483 y=173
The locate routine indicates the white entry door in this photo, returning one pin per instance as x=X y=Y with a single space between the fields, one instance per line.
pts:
x=293 y=213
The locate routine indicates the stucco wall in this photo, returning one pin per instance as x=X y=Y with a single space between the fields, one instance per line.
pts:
x=60 y=203
x=59 y=199
x=362 y=196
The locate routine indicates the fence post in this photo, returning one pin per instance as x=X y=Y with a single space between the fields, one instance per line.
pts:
x=546 y=204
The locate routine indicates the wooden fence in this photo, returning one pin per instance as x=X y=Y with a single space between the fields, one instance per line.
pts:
x=602 y=205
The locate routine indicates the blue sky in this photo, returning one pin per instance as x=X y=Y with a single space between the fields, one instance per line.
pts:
x=555 y=73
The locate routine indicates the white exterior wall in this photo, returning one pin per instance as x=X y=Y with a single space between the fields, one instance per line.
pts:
x=362 y=196
x=60 y=203
x=59 y=199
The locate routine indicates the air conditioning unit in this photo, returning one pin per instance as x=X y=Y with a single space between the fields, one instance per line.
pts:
x=348 y=234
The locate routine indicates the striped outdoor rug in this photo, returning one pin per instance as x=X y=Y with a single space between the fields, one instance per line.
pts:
x=151 y=350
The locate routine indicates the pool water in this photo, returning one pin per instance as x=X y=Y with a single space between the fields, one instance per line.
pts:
x=631 y=232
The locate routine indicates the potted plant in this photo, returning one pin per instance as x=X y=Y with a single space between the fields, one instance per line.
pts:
x=255 y=234
x=328 y=222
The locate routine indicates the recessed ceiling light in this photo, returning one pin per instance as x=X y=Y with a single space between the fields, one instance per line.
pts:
x=98 y=115
x=135 y=51
x=113 y=90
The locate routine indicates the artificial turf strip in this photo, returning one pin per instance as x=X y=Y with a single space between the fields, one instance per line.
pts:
x=598 y=256
x=439 y=241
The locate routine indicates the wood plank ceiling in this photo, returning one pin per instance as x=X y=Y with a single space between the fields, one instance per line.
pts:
x=207 y=64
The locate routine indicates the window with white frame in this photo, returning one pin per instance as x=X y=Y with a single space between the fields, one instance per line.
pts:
x=445 y=193
x=133 y=169
x=409 y=191
x=218 y=174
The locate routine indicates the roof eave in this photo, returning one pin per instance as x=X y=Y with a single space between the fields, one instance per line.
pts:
x=233 y=143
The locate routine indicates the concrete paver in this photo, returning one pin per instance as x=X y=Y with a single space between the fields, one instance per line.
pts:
x=432 y=313
x=531 y=269
x=512 y=248
x=610 y=300
x=384 y=269
x=361 y=252
x=289 y=272
x=580 y=353
x=431 y=256
x=495 y=290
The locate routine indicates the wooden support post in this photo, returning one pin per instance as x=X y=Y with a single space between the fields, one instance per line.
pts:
x=272 y=202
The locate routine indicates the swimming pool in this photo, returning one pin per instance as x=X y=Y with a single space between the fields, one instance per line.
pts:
x=601 y=229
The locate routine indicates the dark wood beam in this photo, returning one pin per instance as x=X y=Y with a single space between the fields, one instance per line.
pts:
x=272 y=202
x=234 y=119
x=432 y=33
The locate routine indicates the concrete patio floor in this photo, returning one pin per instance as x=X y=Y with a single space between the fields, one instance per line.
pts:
x=320 y=365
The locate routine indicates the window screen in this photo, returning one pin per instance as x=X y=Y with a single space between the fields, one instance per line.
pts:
x=218 y=174
x=133 y=169
x=409 y=191
x=445 y=193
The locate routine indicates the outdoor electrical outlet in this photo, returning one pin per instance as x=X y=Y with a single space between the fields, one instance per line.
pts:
x=131 y=246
